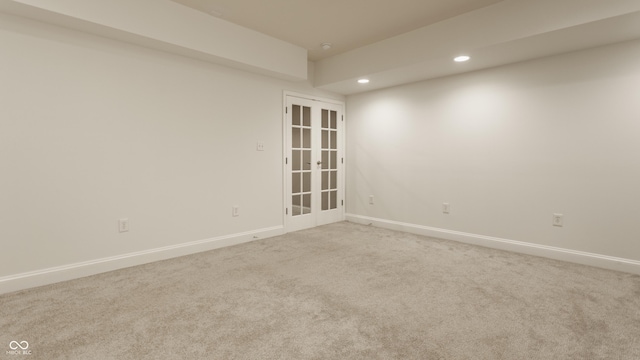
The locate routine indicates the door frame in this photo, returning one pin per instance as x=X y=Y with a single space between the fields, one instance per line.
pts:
x=286 y=177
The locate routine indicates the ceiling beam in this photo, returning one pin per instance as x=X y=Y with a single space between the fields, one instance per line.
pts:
x=509 y=31
x=169 y=26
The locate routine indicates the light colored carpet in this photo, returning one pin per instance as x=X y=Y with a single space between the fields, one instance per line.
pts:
x=342 y=291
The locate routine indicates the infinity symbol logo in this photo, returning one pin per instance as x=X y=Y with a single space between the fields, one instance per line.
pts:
x=14 y=345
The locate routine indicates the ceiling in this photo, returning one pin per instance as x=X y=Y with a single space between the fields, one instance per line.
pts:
x=389 y=42
x=393 y=42
x=346 y=24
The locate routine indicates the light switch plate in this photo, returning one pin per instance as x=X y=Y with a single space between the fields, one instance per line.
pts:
x=446 y=208
x=123 y=225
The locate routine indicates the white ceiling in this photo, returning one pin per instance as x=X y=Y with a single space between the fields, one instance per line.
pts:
x=390 y=42
x=346 y=24
x=393 y=42
x=506 y=32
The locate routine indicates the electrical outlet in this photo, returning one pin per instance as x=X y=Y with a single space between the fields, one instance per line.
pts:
x=446 y=208
x=123 y=225
x=557 y=220
x=235 y=211
x=260 y=146
x=370 y=199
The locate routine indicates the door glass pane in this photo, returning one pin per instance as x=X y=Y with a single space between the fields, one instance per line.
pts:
x=306 y=182
x=296 y=208
x=306 y=203
x=325 y=201
x=325 y=139
x=306 y=116
x=334 y=180
x=295 y=159
x=333 y=199
x=334 y=160
x=295 y=182
x=295 y=137
x=325 y=180
x=306 y=136
x=295 y=114
x=325 y=118
x=325 y=159
x=334 y=140
x=334 y=122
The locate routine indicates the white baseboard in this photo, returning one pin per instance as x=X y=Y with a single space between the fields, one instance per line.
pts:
x=574 y=256
x=74 y=271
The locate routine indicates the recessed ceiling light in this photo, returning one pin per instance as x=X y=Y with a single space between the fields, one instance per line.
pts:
x=461 y=58
x=363 y=81
x=326 y=46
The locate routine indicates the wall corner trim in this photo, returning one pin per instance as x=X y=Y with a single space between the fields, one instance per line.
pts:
x=568 y=255
x=56 y=274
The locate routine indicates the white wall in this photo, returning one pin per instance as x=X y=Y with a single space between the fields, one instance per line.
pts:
x=169 y=26
x=507 y=147
x=93 y=130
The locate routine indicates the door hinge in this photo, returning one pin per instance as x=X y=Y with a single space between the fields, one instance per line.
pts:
x=342 y=202
x=342 y=159
x=286 y=211
x=286 y=161
x=286 y=110
x=342 y=117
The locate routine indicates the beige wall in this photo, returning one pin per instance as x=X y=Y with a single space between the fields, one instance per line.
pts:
x=507 y=148
x=93 y=130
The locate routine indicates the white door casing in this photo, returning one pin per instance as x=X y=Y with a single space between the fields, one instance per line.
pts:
x=314 y=162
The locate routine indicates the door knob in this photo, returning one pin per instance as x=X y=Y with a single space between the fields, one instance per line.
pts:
x=319 y=162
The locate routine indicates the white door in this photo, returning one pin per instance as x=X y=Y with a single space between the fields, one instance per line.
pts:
x=314 y=163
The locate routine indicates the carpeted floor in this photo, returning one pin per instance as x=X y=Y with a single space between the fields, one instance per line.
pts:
x=341 y=291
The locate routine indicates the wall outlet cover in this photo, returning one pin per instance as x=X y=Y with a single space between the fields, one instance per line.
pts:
x=557 y=220
x=123 y=225
x=446 y=208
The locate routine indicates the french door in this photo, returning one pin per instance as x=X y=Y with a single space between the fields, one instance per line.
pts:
x=314 y=163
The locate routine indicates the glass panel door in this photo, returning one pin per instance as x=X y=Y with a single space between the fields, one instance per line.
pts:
x=301 y=142
x=314 y=166
x=329 y=149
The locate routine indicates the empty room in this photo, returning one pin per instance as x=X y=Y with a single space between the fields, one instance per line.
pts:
x=289 y=179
